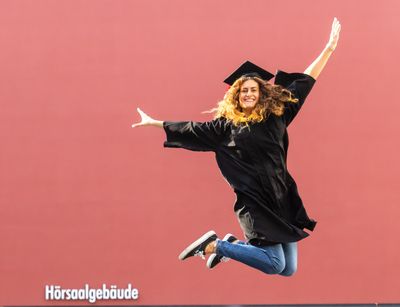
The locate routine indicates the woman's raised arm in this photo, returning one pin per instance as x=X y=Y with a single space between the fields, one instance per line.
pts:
x=318 y=65
x=147 y=121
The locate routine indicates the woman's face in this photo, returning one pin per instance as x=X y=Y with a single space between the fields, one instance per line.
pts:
x=249 y=95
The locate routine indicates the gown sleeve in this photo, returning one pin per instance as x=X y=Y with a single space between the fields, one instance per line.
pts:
x=300 y=85
x=196 y=136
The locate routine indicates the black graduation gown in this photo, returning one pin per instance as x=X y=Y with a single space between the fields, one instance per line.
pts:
x=253 y=161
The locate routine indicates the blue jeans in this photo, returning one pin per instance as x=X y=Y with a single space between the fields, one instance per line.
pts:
x=272 y=259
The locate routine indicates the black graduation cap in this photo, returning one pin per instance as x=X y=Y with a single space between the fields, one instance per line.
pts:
x=248 y=68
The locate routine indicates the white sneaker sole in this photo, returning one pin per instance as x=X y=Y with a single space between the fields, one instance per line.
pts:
x=200 y=240
x=227 y=237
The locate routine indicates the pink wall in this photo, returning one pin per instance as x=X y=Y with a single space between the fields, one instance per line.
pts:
x=86 y=199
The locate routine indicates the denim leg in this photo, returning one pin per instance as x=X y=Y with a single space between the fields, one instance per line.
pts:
x=268 y=259
x=290 y=251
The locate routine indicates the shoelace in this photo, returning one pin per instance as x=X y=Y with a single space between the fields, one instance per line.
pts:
x=225 y=259
x=200 y=254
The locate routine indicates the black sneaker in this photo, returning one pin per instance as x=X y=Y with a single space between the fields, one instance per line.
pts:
x=198 y=246
x=214 y=259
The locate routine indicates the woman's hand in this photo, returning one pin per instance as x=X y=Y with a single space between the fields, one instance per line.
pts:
x=319 y=63
x=147 y=120
x=334 y=37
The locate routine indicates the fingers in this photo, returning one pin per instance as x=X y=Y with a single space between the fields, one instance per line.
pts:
x=141 y=115
x=336 y=26
x=334 y=35
x=140 y=111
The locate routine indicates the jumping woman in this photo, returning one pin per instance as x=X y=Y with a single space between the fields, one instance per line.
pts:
x=249 y=138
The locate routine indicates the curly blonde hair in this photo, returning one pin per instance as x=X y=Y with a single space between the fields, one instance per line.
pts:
x=272 y=100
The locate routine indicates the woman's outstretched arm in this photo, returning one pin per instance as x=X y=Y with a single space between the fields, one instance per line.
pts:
x=196 y=136
x=147 y=120
x=318 y=65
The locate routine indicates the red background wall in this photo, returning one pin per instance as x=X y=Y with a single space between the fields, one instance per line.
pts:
x=86 y=199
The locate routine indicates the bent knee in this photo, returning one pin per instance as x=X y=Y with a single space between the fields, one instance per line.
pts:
x=276 y=267
x=289 y=271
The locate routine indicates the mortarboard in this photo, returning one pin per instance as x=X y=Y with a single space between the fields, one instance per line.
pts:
x=248 y=68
